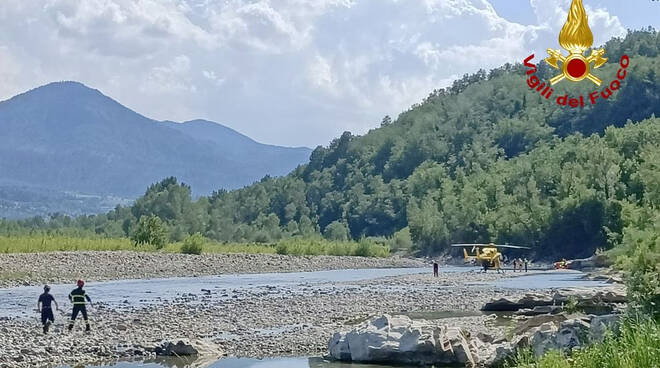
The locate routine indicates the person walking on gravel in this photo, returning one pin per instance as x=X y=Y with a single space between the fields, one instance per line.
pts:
x=79 y=299
x=44 y=306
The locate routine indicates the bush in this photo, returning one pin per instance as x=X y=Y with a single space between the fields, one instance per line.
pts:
x=641 y=261
x=571 y=305
x=150 y=230
x=313 y=247
x=193 y=244
x=401 y=240
x=636 y=346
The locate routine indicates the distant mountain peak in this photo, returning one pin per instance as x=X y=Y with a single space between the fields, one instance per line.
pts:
x=66 y=136
x=71 y=86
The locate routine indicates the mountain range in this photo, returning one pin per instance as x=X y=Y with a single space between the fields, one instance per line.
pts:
x=70 y=143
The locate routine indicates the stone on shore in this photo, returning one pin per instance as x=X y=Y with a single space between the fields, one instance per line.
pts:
x=540 y=310
x=400 y=340
x=601 y=324
x=529 y=301
x=184 y=347
x=555 y=335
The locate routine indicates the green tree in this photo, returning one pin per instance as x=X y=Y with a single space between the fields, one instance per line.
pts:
x=150 y=230
x=337 y=230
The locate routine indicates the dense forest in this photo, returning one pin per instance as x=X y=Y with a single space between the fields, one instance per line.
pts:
x=486 y=159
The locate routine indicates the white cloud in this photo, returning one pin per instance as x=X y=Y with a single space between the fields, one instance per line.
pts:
x=172 y=78
x=212 y=76
x=10 y=72
x=551 y=15
x=295 y=72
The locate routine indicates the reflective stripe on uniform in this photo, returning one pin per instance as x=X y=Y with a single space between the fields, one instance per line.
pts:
x=78 y=299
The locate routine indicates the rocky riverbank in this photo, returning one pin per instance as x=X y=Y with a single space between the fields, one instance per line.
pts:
x=566 y=320
x=260 y=322
x=63 y=267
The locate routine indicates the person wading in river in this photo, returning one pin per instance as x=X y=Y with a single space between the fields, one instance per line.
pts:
x=435 y=269
x=45 y=308
x=79 y=299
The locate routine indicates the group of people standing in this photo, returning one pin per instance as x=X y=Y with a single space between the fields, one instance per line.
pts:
x=518 y=264
x=78 y=297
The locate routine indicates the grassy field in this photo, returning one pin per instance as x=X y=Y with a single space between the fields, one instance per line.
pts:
x=363 y=248
x=637 y=346
x=44 y=243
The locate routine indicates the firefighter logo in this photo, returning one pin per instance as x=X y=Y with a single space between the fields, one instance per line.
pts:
x=576 y=38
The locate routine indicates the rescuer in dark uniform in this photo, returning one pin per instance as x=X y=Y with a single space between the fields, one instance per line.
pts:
x=44 y=306
x=79 y=299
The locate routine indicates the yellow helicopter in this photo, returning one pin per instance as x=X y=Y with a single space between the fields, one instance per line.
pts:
x=487 y=254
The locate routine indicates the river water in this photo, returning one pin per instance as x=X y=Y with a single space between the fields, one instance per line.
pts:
x=21 y=301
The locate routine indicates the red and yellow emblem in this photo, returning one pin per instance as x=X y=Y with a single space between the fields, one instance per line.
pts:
x=576 y=38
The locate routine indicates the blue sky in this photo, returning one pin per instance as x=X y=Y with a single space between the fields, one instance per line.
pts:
x=288 y=72
x=634 y=14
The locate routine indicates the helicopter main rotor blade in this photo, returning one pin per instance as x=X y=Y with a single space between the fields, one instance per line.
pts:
x=468 y=245
x=512 y=246
x=490 y=245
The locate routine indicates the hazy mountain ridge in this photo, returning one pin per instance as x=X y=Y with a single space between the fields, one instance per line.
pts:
x=65 y=136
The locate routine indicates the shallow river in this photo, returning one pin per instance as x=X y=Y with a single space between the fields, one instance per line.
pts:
x=21 y=301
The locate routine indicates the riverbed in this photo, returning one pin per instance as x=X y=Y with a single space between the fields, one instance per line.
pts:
x=146 y=292
x=280 y=316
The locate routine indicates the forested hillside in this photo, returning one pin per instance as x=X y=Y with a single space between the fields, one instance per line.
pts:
x=484 y=160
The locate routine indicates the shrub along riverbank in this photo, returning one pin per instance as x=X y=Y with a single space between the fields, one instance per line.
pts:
x=293 y=246
x=637 y=345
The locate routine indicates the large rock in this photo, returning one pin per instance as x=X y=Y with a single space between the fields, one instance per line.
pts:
x=180 y=348
x=544 y=339
x=543 y=309
x=601 y=324
x=338 y=347
x=534 y=300
x=573 y=333
x=400 y=340
x=554 y=335
x=501 y=305
x=600 y=303
x=529 y=301
x=594 y=261
x=534 y=322
x=611 y=297
x=185 y=347
x=593 y=298
x=490 y=354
